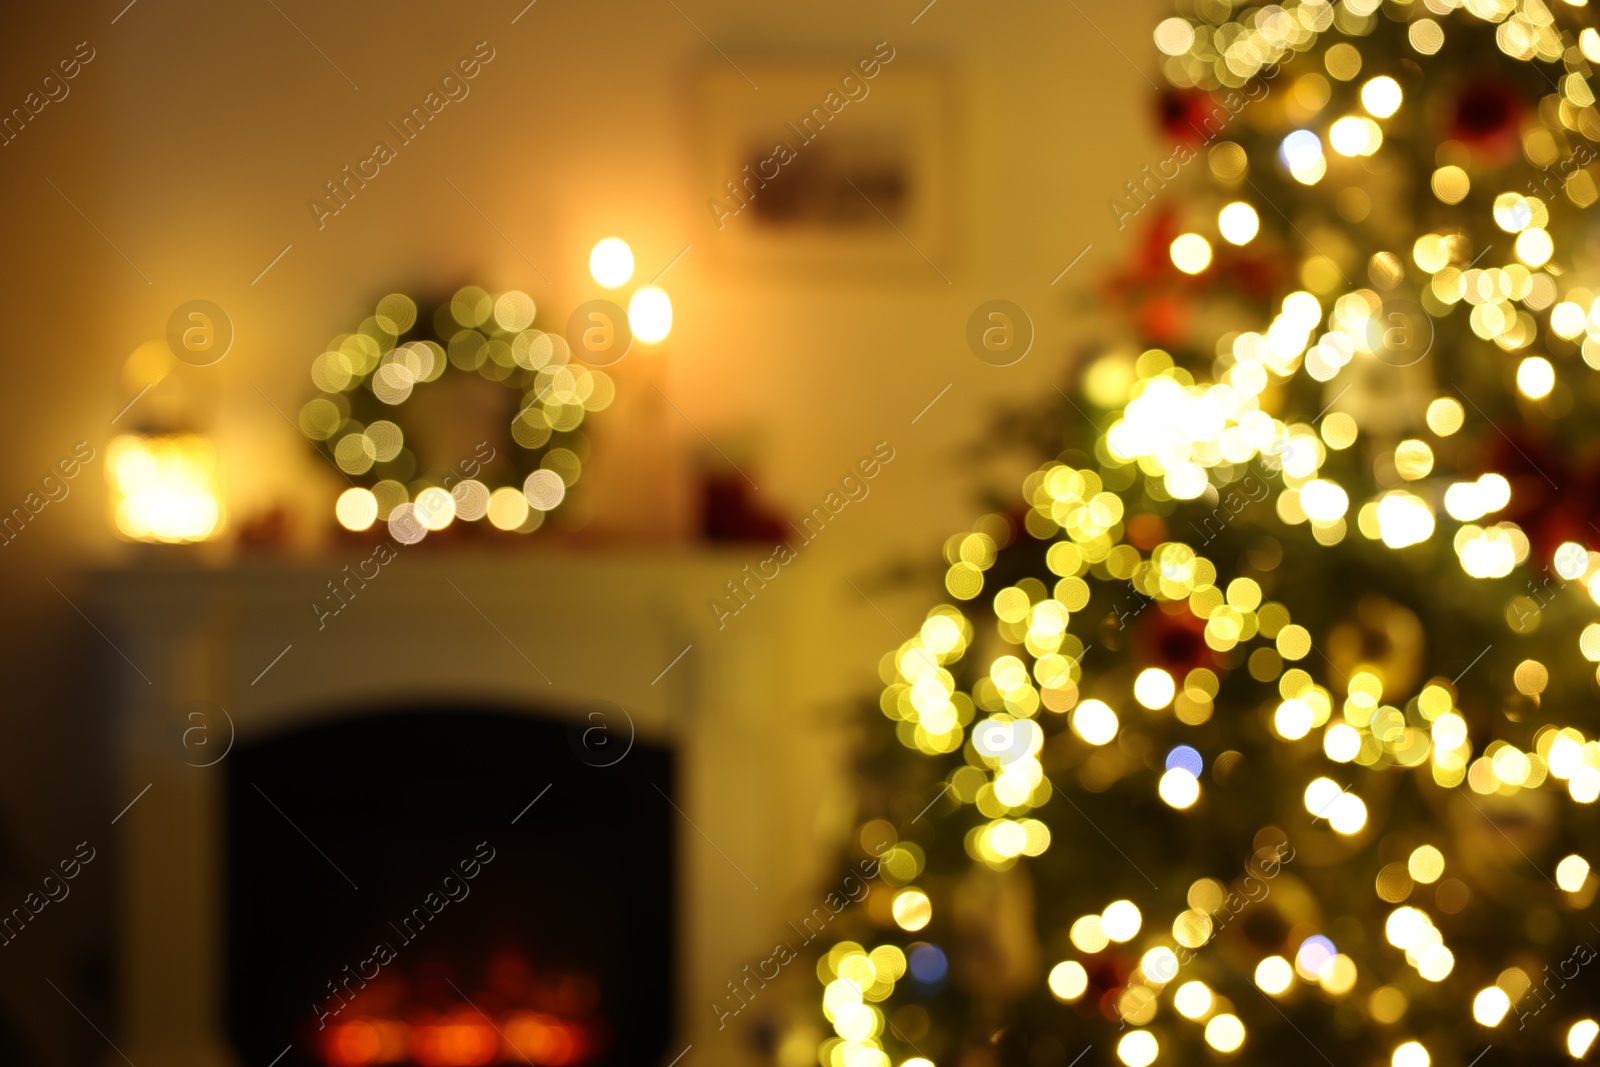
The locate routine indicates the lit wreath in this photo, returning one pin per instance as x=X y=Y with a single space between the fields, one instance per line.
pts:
x=530 y=452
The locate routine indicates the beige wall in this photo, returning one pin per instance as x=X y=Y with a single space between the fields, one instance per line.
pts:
x=193 y=141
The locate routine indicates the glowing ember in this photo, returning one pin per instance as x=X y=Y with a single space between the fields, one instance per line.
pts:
x=510 y=1017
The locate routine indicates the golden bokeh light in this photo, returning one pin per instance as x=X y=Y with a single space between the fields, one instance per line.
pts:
x=1426 y=864
x=1121 y=920
x=1445 y=416
x=1178 y=788
x=164 y=487
x=514 y=310
x=544 y=490
x=650 y=314
x=1088 y=934
x=1192 y=1000
x=1238 y=223
x=1426 y=36
x=1274 y=975
x=356 y=508
x=1356 y=135
x=1138 y=1048
x=435 y=508
x=1338 y=975
x=1342 y=742
x=1489 y=1007
x=1580 y=1037
x=1572 y=872
x=912 y=909
x=1159 y=965
x=611 y=262
x=1535 y=377
x=1191 y=253
x=1293 y=719
x=508 y=508
x=1451 y=184
x=1339 y=430
x=1154 y=688
x=404 y=525
x=1095 y=722
x=1225 y=1032
x=1381 y=96
x=1068 y=980
x=1174 y=36
x=1343 y=61
x=1534 y=247
x=1410 y=1054
x=471 y=499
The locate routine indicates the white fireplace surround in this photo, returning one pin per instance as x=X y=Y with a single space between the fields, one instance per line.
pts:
x=543 y=630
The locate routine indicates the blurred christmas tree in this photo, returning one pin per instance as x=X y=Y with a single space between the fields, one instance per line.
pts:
x=1263 y=729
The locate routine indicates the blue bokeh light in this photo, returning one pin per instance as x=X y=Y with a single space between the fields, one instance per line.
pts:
x=1187 y=758
x=1301 y=148
x=928 y=964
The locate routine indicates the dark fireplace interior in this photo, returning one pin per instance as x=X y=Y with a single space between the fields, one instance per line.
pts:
x=384 y=909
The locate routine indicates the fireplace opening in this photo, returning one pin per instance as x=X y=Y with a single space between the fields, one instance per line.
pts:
x=448 y=888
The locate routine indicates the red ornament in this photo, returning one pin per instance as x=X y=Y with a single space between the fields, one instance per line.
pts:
x=1487 y=118
x=1183 y=113
x=1162 y=300
x=1150 y=286
x=1170 y=636
x=1555 y=495
x=728 y=511
x=1146 y=531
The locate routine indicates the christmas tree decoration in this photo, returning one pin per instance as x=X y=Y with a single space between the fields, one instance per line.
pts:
x=1415 y=178
x=485 y=365
x=1265 y=728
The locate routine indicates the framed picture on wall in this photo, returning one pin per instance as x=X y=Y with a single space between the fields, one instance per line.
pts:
x=839 y=163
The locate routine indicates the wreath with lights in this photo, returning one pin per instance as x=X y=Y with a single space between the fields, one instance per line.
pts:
x=516 y=476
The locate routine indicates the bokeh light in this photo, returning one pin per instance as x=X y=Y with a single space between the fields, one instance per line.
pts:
x=1192 y=1000
x=650 y=315
x=1381 y=96
x=1191 y=253
x=1138 y=1048
x=1489 y=1007
x=1095 y=722
x=1068 y=980
x=1535 y=377
x=1225 y=1032
x=1274 y=975
x=1580 y=1036
x=1154 y=688
x=912 y=909
x=611 y=262
x=356 y=508
x=1238 y=223
x=164 y=487
x=1410 y=1054
x=1121 y=920
x=1178 y=788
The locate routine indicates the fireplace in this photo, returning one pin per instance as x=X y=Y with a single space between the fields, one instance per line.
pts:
x=445 y=887
x=421 y=721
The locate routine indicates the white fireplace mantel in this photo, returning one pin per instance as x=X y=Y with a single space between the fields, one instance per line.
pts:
x=547 y=631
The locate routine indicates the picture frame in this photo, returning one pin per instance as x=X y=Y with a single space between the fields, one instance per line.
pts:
x=839 y=163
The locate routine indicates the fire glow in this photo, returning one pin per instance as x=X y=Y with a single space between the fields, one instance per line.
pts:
x=461 y=1037
x=430 y=1019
